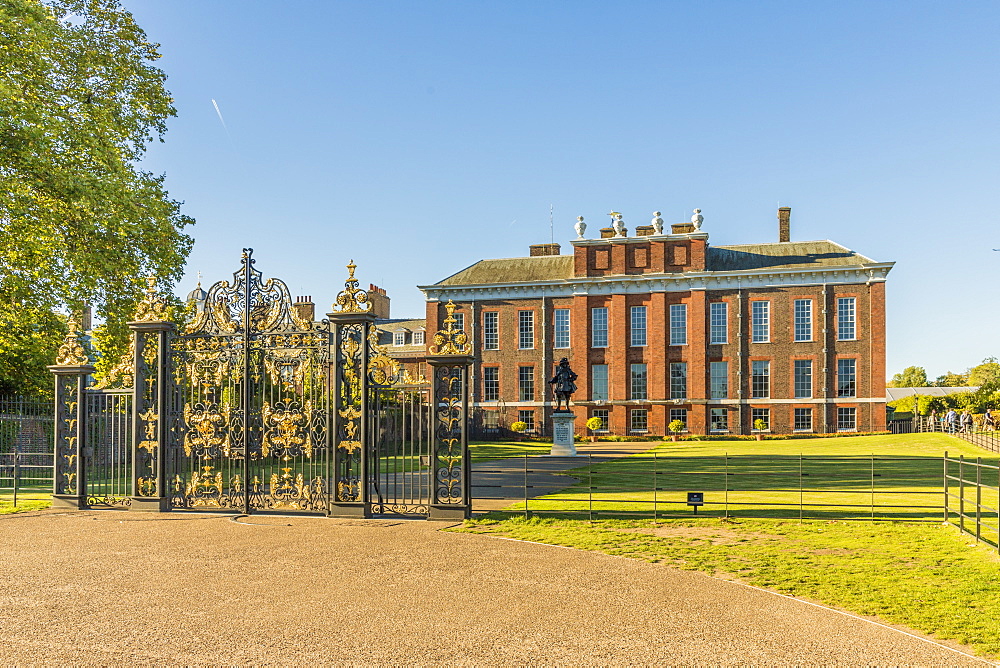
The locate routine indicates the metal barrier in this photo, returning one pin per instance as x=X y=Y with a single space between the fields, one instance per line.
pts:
x=655 y=486
x=25 y=447
x=964 y=485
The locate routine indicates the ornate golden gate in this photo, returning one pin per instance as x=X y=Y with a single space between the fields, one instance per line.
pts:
x=251 y=407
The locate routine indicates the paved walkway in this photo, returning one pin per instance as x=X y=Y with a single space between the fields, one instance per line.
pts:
x=123 y=588
x=498 y=483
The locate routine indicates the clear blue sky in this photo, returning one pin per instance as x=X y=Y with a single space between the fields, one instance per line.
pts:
x=419 y=137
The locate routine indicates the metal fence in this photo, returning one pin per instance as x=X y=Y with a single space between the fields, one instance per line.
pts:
x=657 y=486
x=972 y=497
x=25 y=449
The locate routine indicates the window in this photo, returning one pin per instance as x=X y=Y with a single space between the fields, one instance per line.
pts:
x=528 y=418
x=491 y=330
x=760 y=322
x=525 y=330
x=562 y=328
x=459 y=321
x=637 y=376
x=803 y=419
x=718 y=419
x=678 y=324
x=718 y=322
x=491 y=420
x=845 y=319
x=399 y=338
x=526 y=383
x=639 y=419
x=679 y=414
x=802 y=372
x=760 y=414
x=491 y=383
x=599 y=327
x=847 y=385
x=599 y=382
x=638 y=322
x=760 y=379
x=601 y=413
x=718 y=380
x=847 y=419
x=418 y=338
x=803 y=319
x=678 y=380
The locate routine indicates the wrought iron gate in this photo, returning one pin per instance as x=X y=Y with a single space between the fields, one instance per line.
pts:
x=251 y=406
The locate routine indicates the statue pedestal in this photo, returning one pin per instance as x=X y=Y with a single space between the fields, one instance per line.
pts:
x=562 y=434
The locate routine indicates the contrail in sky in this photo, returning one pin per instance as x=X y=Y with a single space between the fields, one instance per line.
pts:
x=221 y=119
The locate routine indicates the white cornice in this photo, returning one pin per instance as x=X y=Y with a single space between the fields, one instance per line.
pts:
x=676 y=282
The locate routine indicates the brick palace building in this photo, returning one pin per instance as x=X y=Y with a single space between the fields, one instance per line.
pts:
x=664 y=326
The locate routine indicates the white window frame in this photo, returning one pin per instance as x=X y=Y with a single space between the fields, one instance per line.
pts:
x=803 y=320
x=593 y=383
x=561 y=324
x=525 y=330
x=760 y=322
x=637 y=326
x=718 y=323
x=847 y=318
x=491 y=330
x=399 y=338
x=678 y=324
x=599 y=327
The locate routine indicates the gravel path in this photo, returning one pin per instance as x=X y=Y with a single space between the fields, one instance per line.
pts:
x=117 y=588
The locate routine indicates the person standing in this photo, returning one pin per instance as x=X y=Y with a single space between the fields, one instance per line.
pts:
x=951 y=417
x=988 y=420
x=966 y=422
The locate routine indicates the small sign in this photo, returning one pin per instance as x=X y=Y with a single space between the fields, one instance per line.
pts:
x=696 y=498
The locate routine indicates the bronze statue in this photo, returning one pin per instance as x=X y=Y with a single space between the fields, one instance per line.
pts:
x=562 y=383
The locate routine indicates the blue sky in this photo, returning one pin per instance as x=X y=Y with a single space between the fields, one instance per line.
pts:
x=419 y=137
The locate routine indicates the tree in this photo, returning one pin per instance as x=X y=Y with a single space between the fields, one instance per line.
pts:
x=79 y=221
x=952 y=379
x=912 y=376
x=987 y=373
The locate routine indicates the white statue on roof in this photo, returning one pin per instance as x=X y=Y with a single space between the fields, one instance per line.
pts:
x=617 y=223
x=657 y=223
x=697 y=219
x=580 y=227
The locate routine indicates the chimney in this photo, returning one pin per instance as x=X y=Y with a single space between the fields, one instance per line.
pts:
x=305 y=308
x=543 y=249
x=784 y=225
x=379 y=301
x=86 y=319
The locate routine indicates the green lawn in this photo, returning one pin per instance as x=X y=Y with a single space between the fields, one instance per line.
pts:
x=880 y=477
x=483 y=450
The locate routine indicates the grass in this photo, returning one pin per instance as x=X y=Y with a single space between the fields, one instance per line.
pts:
x=483 y=450
x=27 y=499
x=881 y=477
x=925 y=576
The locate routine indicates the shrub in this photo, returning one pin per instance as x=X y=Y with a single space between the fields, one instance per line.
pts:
x=676 y=427
x=519 y=426
x=595 y=423
x=759 y=425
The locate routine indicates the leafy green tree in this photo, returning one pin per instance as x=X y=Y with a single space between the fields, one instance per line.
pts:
x=952 y=379
x=987 y=373
x=79 y=221
x=912 y=376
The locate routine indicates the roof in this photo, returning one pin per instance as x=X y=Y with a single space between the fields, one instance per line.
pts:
x=395 y=324
x=744 y=257
x=787 y=255
x=893 y=393
x=514 y=270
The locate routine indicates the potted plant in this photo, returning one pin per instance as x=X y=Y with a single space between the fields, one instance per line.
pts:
x=760 y=426
x=519 y=427
x=593 y=424
x=675 y=427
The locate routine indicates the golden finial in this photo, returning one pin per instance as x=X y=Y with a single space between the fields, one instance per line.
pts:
x=152 y=307
x=450 y=341
x=352 y=299
x=71 y=352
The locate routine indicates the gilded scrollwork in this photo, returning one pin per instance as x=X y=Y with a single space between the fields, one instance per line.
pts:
x=449 y=449
x=382 y=369
x=208 y=430
x=150 y=422
x=450 y=340
x=352 y=299
x=122 y=375
x=287 y=430
x=152 y=308
x=72 y=352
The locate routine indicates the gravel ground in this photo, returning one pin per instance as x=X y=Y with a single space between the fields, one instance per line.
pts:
x=117 y=588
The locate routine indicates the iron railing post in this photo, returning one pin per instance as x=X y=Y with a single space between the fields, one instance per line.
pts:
x=527 y=514
x=979 y=497
x=17 y=472
x=873 y=486
x=450 y=486
x=590 y=487
x=150 y=412
x=961 y=493
x=726 y=481
x=800 y=488
x=654 y=490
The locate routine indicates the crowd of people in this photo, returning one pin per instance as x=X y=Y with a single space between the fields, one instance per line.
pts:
x=954 y=422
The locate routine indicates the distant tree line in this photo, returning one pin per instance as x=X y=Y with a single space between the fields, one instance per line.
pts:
x=988 y=372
